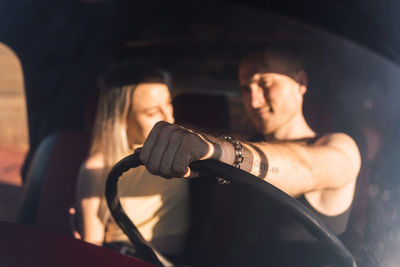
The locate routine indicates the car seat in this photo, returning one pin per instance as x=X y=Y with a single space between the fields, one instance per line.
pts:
x=49 y=191
x=52 y=172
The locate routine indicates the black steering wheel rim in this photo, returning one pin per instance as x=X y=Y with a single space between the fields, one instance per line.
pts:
x=218 y=169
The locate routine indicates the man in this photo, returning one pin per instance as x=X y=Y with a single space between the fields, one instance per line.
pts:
x=319 y=170
x=292 y=156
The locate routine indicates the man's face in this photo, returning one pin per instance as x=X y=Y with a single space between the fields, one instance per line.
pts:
x=272 y=100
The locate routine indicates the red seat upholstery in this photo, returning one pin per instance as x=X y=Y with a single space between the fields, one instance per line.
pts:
x=51 y=181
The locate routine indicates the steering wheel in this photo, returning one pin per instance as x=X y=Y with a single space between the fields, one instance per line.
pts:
x=218 y=169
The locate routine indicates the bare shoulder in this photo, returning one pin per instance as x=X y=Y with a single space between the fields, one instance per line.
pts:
x=343 y=144
x=340 y=164
x=94 y=162
x=91 y=176
x=339 y=140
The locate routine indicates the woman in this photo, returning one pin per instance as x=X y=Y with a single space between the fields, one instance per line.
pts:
x=131 y=101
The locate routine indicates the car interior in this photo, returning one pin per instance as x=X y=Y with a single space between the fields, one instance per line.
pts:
x=351 y=89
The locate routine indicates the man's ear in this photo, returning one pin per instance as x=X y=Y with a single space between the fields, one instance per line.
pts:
x=301 y=78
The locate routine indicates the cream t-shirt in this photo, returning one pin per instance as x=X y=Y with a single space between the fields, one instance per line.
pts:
x=158 y=207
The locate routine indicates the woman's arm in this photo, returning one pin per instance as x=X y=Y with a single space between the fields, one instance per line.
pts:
x=89 y=191
x=92 y=228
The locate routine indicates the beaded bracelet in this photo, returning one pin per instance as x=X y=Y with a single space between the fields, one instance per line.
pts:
x=238 y=156
x=238 y=150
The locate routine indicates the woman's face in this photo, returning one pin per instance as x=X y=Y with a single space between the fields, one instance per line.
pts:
x=151 y=102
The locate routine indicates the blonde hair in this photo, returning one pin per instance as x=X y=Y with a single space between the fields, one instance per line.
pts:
x=109 y=131
x=109 y=136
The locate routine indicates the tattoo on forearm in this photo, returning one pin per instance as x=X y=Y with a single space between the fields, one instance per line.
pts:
x=264 y=168
x=256 y=163
x=217 y=148
x=274 y=170
x=261 y=164
x=217 y=151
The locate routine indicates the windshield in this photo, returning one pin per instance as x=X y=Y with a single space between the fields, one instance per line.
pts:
x=350 y=89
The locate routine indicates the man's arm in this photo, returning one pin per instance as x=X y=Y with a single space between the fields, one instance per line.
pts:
x=329 y=164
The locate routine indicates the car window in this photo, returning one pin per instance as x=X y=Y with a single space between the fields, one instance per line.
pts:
x=14 y=141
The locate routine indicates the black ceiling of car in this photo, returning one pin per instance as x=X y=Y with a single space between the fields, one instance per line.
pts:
x=64 y=44
x=373 y=24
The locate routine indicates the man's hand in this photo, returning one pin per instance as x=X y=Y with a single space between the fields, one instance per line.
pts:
x=169 y=149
